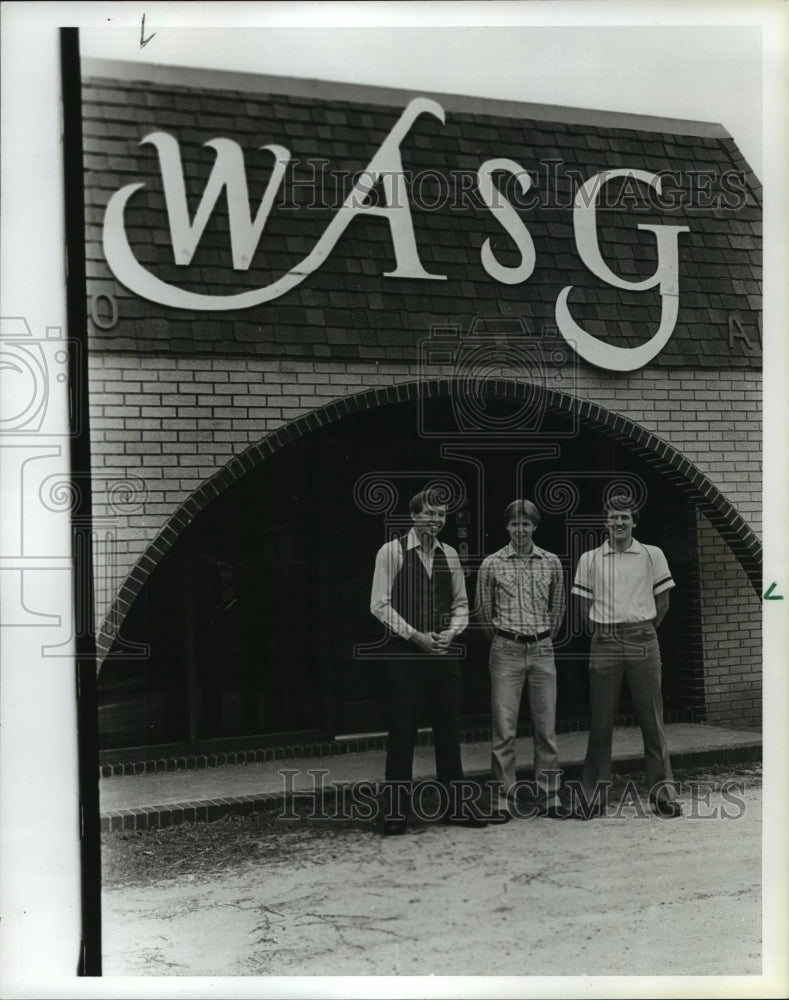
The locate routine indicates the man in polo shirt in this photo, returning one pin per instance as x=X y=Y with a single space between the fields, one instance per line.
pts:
x=520 y=596
x=419 y=593
x=623 y=588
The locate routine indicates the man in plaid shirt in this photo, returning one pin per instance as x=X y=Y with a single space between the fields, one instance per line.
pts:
x=520 y=596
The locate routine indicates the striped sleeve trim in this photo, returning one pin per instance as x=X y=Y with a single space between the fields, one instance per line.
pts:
x=665 y=584
x=660 y=583
x=579 y=588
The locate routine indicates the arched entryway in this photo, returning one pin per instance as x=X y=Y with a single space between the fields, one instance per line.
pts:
x=254 y=599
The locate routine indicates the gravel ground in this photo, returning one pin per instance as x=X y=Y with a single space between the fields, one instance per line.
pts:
x=148 y=856
x=260 y=895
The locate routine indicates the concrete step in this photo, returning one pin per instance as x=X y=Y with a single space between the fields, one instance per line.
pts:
x=143 y=801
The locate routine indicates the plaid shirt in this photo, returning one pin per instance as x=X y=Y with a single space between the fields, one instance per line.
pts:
x=521 y=593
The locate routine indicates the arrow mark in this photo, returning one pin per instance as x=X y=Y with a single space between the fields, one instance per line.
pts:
x=770 y=596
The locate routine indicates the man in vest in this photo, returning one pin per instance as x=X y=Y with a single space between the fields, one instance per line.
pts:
x=623 y=588
x=419 y=593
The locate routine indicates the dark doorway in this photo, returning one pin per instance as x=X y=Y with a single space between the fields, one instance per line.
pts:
x=258 y=620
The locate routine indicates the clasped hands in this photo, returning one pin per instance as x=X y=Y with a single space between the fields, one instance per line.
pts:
x=434 y=643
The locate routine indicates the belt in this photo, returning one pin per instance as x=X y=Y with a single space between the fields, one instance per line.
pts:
x=621 y=628
x=520 y=637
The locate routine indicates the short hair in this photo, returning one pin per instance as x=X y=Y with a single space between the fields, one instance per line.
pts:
x=621 y=502
x=524 y=508
x=431 y=497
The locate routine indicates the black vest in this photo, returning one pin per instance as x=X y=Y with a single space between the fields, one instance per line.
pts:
x=425 y=602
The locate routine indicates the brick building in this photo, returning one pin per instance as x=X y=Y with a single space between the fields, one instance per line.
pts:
x=500 y=298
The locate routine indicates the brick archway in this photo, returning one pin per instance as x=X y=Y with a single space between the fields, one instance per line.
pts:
x=645 y=445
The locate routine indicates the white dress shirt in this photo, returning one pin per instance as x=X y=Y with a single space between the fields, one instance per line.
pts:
x=389 y=562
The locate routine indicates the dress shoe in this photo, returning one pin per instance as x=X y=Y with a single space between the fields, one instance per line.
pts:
x=668 y=808
x=469 y=821
x=394 y=827
x=500 y=816
x=555 y=811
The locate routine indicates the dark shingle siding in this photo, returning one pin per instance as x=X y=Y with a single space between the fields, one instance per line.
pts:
x=348 y=307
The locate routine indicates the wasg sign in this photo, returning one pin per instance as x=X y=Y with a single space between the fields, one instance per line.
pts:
x=385 y=168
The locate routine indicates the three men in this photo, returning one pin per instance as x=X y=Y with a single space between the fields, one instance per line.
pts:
x=623 y=587
x=520 y=594
x=419 y=593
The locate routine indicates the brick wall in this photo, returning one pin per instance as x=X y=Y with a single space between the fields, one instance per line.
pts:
x=164 y=425
x=731 y=616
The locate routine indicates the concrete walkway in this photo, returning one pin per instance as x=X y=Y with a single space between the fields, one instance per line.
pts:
x=142 y=801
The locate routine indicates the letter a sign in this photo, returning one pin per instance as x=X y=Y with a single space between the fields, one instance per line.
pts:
x=228 y=173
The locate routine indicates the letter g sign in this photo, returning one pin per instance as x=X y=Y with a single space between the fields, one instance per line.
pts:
x=596 y=352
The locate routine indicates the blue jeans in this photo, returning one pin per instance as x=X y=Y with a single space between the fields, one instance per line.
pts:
x=511 y=664
x=630 y=651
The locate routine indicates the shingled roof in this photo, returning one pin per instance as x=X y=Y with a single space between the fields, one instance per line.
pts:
x=348 y=309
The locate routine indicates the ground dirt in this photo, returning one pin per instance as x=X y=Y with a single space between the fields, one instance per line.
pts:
x=631 y=894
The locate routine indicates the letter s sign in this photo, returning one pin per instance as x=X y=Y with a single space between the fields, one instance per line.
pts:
x=596 y=352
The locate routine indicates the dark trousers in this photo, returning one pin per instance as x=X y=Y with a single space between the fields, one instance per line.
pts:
x=632 y=652
x=412 y=683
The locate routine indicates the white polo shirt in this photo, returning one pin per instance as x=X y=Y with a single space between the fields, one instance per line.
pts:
x=622 y=585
